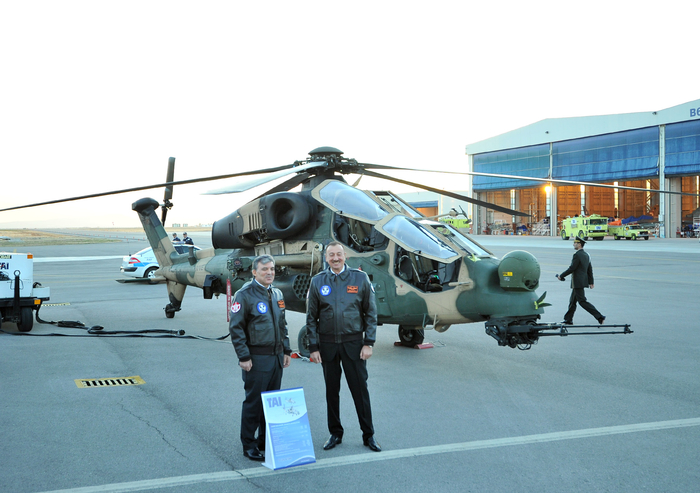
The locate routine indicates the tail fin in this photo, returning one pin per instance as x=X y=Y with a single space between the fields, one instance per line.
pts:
x=155 y=232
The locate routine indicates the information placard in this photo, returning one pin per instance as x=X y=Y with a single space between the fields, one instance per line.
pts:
x=287 y=432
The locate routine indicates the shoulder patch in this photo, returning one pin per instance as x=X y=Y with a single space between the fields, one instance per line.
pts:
x=280 y=303
x=236 y=307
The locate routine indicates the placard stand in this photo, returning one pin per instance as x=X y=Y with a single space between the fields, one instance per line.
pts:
x=287 y=432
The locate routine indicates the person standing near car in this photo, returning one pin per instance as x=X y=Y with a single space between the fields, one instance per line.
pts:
x=259 y=334
x=341 y=324
x=187 y=240
x=581 y=269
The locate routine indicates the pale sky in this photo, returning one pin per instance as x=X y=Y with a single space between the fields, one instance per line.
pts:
x=97 y=95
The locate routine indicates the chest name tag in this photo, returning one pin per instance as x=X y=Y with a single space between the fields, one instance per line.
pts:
x=325 y=290
x=353 y=289
x=262 y=307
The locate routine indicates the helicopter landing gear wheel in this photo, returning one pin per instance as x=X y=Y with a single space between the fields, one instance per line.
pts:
x=411 y=337
x=303 y=342
x=169 y=311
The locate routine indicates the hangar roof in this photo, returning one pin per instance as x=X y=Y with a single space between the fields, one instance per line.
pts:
x=558 y=129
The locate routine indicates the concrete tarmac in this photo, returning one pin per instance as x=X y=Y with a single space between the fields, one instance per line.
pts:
x=578 y=414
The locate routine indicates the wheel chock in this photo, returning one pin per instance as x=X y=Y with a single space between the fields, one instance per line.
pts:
x=425 y=345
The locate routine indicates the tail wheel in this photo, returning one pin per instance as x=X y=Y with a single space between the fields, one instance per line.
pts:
x=169 y=311
x=411 y=337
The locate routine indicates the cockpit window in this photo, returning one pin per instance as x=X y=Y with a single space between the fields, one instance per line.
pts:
x=416 y=238
x=350 y=201
x=467 y=244
x=397 y=205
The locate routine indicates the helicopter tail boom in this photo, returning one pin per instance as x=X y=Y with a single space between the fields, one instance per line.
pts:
x=155 y=232
x=162 y=248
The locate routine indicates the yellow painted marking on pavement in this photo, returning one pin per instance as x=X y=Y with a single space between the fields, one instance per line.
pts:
x=87 y=383
x=245 y=474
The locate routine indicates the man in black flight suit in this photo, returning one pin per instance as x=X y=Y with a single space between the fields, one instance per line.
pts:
x=341 y=323
x=259 y=334
x=582 y=271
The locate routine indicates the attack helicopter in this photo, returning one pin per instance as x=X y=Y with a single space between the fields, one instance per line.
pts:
x=426 y=274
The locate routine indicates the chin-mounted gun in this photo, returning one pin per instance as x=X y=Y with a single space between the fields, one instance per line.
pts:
x=522 y=334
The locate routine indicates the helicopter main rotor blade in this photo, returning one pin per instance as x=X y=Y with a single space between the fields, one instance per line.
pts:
x=457 y=196
x=149 y=187
x=247 y=185
x=287 y=185
x=550 y=180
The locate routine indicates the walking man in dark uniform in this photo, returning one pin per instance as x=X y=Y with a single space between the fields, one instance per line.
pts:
x=582 y=271
x=259 y=334
x=341 y=323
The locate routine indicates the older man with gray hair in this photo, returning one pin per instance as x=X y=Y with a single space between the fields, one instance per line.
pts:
x=259 y=334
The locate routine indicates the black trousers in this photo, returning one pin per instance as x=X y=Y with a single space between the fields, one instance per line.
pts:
x=265 y=375
x=347 y=354
x=578 y=295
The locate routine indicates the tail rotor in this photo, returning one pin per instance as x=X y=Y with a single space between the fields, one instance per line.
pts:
x=169 y=179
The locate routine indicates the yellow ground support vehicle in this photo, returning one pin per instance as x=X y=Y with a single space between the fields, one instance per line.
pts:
x=629 y=231
x=586 y=227
x=20 y=296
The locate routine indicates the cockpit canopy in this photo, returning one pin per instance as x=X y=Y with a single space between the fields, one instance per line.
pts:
x=368 y=217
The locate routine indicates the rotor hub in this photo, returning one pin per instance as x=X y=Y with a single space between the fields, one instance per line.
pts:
x=325 y=151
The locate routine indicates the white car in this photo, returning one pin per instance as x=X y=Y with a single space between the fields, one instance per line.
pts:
x=144 y=264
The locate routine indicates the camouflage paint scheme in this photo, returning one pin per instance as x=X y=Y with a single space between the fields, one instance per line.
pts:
x=477 y=291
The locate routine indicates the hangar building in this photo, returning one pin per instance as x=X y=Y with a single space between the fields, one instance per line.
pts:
x=657 y=150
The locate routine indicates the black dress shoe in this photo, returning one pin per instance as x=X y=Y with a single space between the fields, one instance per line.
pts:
x=254 y=454
x=373 y=445
x=332 y=441
x=566 y=322
x=601 y=320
